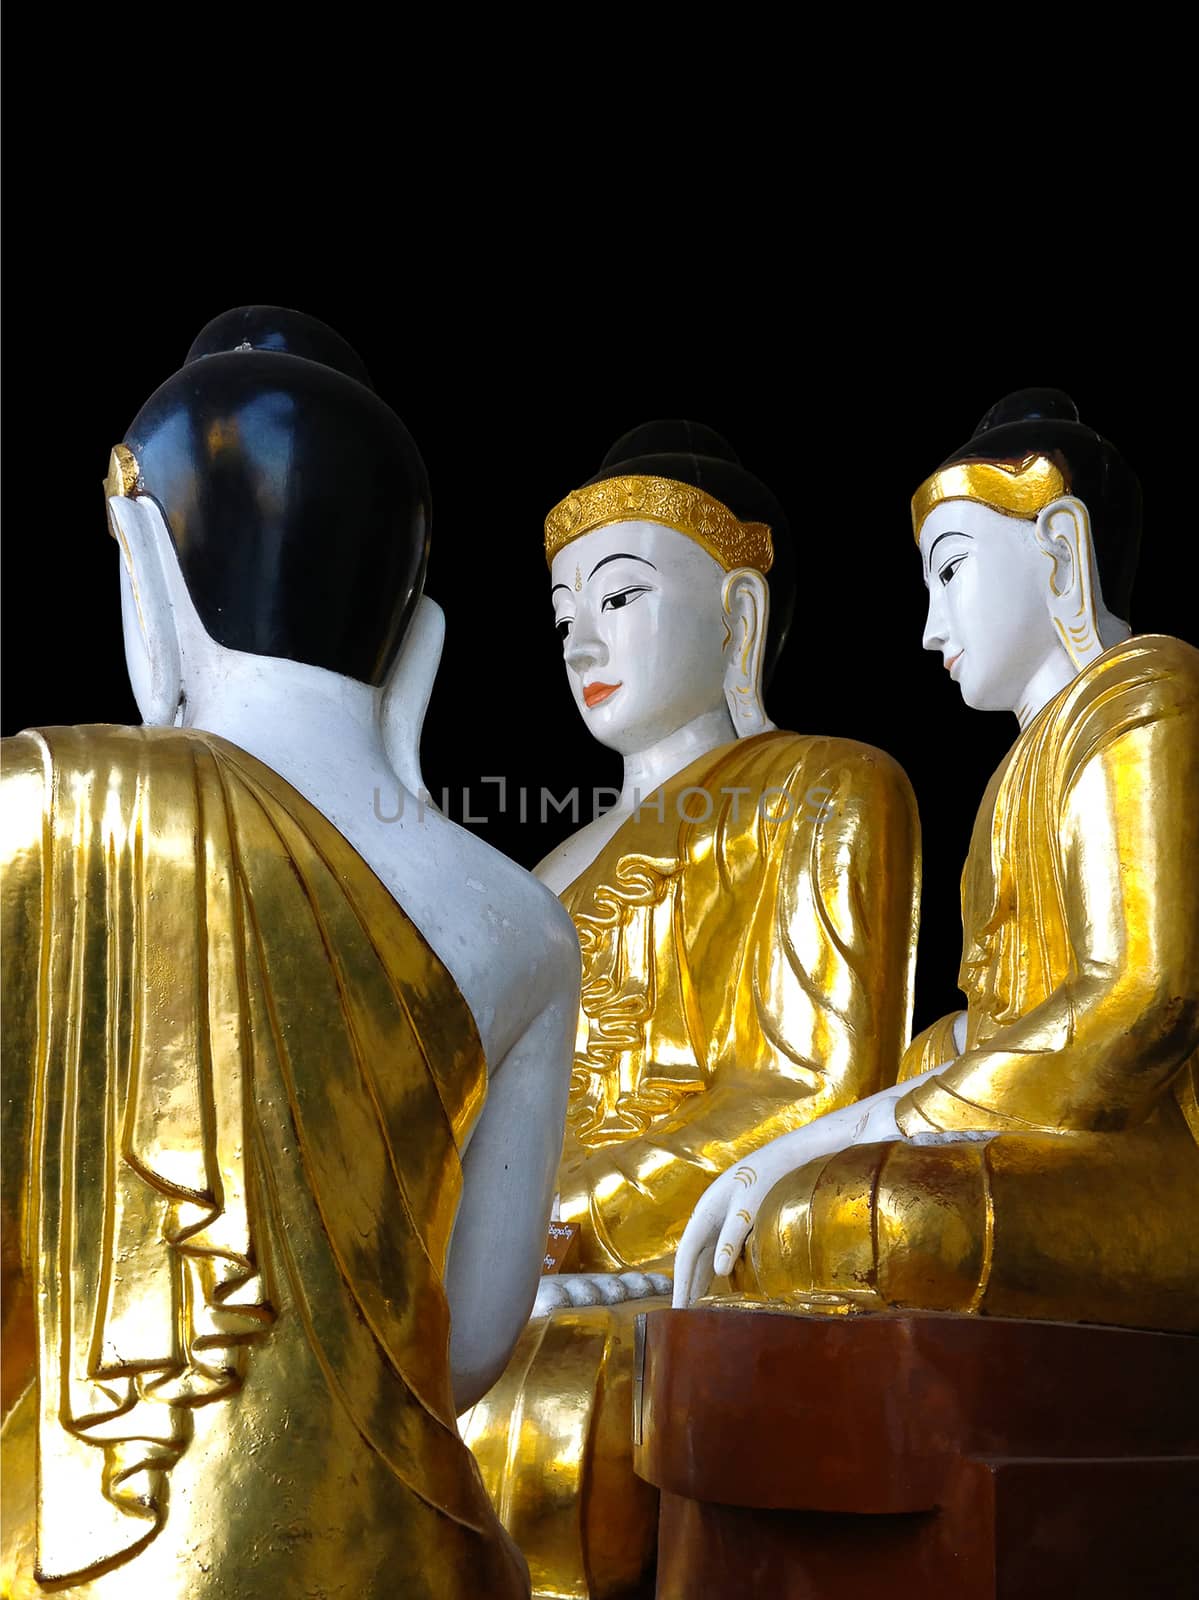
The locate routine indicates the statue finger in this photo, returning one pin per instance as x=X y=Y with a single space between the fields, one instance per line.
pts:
x=732 y=1236
x=684 y=1261
x=637 y=1285
x=701 y=1279
x=584 y=1291
x=551 y=1293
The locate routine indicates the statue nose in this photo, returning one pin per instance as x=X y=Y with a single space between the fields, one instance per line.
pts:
x=585 y=649
x=935 y=631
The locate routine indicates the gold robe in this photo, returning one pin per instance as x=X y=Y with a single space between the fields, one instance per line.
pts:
x=236 y=1084
x=743 y=972
x=1080 y=907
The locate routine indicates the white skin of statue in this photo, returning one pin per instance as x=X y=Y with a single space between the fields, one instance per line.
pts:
x=1002 y=591
x=663 y=651
x=508 y=943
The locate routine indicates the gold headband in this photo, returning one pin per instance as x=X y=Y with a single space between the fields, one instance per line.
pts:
x=675 y=505
x=1019 y=488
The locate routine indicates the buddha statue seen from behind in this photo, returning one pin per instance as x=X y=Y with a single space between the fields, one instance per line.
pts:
x=284 y=1084
x=1039 y=1158
x=747 y=916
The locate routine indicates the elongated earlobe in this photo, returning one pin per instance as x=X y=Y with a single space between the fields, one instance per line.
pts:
x=1074 y=599
x=746 y=602
x=152 y=652
x=404 y=698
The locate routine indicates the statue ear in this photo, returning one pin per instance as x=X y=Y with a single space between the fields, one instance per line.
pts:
x=404 y=697
x=746 y=602
x=152 y=652
x=1063 y=533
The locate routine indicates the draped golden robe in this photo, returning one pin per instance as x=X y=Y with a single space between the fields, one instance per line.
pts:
x=236 y=1084
x=1080 y=907
x=748 y=947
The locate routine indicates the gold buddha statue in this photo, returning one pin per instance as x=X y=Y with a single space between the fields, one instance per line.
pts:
x=1039 y=1157
x=747 y=915
x=258 y=1063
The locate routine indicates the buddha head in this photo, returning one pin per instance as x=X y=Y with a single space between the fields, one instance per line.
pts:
x=1028 y=538
x=672 y=585
x=267 y=504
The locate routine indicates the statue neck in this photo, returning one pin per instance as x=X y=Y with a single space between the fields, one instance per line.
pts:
x=316 y=729
x=1049 y=679
x=646 y=770
x=1057 y=669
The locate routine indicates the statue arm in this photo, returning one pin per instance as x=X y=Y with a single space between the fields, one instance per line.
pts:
x=509 y=1170
x=1103 y=1047
x=822 y=1013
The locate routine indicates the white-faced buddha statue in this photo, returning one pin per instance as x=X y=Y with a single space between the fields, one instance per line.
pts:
x=278 y=1101
x=1039 y=1157
x=747 y=916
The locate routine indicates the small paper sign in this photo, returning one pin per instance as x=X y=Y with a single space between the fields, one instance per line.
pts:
x=561 y=1247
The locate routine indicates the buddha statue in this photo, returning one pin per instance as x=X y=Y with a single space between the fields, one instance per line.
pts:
x=747 y=916
x=1038 y=1157
x=284 y=1083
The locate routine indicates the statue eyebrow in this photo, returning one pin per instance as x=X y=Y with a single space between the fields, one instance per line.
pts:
x=952 y=534
x=621 y=555
x=558 y=586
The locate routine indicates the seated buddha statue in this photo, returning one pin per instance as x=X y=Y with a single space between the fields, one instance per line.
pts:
x=270 y=1077
x=1038 y=1157
x=747 y=915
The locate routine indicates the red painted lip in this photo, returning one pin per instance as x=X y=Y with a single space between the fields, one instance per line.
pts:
x=594 y=693
x=952 y=661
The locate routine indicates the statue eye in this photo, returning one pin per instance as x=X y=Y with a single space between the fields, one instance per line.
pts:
x=562 y=627
x=614 y=602
x=947 y=571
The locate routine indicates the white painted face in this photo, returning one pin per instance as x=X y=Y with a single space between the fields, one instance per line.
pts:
x=638 y=609
x=988 y=584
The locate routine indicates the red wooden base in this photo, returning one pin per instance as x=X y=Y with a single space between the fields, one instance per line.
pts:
x=919 y=1455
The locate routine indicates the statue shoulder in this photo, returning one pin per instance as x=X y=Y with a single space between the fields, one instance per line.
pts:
x=532 y=950
x=70 y=751
x=24 y=794
x=1147 y=679
x=38 y=762
x=1146 y=656
x=792 y=758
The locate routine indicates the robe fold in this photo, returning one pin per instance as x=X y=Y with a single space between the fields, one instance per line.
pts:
x=237 y=1081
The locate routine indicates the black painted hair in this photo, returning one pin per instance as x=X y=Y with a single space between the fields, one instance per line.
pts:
x=296 y=499
x=690 y=453
x=1045 y=422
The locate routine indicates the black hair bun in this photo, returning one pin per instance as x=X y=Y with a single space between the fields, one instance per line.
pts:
x=670 y=437
x=1028 y=405
x=275 y=328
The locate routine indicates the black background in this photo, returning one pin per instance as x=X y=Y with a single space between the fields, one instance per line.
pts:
x=518 y=341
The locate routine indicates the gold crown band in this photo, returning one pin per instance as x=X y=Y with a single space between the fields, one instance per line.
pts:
x=675 y=505
x=1019 y=488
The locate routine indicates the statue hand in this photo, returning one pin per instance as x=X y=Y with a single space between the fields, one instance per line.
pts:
x=721 y=1222
x=718 y=1228
x=596 y=1289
